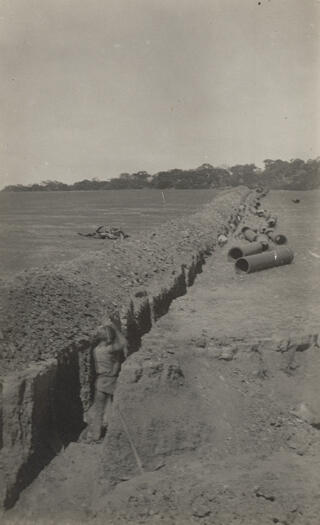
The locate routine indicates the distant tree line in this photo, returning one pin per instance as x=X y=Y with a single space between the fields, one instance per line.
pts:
x=295 y=174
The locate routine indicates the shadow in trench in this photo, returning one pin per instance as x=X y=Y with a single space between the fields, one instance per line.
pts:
x=67 y=406
x=57 y=419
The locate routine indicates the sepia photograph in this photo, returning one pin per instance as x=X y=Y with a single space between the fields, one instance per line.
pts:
x=160 y=262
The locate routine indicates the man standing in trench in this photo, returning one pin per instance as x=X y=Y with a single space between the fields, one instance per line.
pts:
x=109 y=351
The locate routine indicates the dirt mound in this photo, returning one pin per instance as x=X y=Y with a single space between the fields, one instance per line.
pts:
x=44 y=312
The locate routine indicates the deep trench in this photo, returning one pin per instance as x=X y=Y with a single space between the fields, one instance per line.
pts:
x=57 y=420
x=59 y=416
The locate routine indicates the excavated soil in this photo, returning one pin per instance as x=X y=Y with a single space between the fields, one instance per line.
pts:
x=46 y=311
x=220 y=404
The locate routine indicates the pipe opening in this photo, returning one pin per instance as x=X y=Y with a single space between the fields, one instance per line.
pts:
x=235 y=253
x=242 y=265
x=281 y=239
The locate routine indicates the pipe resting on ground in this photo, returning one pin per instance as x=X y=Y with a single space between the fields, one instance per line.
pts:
x=278 y=238
x=262 y=261
x=246 y=249
x=249 y=234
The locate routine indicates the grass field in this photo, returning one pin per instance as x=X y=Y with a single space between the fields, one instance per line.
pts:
x=41 y=228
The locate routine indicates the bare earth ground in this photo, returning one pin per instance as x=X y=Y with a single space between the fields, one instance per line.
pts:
x=253 y=419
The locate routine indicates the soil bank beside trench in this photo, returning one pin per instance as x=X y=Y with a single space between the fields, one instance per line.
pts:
x=46 y=311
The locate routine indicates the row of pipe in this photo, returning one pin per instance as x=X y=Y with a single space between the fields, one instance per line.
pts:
x=246 y=249
x=251 y=235
x=262 y=261
x=259 y=246
x=256 y=255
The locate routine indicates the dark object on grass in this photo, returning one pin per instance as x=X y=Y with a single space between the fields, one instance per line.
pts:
x=262 y=261
x=296 y=201
x=103 y=232
x=278 y=238
x=246 y=249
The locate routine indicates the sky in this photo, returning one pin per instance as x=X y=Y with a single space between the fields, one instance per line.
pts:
x=101 y=87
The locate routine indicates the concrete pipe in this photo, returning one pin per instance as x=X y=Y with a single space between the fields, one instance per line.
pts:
x=263 y=239
x=246 y=249
x=249 y=234
x=262 y=261
x=278 y=238
x=272 y=222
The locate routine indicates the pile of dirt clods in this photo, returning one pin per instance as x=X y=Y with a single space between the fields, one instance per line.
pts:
x=46 y=311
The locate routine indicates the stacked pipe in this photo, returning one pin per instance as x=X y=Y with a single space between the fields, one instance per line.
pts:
x=277 y=238
x=246 y=249
x=257 y=255
x=249 y=234
x=261 y=261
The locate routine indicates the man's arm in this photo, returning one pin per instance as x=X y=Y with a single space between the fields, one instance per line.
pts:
x=120 y=342
x=125 y=350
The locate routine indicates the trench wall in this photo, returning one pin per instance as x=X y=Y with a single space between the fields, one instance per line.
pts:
x=51 y=315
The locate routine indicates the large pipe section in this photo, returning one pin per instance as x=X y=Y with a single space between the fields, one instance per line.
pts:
x=247 y=249
x=262 y=261
x=249 y=234
x=277 y=238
